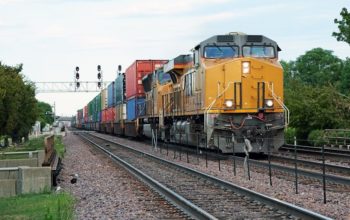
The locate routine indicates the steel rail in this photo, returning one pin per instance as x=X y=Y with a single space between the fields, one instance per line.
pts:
x=279 y=204
x=313 y=150
x=319 y=176
x=180 y=202
x=313 y=163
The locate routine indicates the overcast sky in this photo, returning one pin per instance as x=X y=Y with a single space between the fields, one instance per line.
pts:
x=51 y=37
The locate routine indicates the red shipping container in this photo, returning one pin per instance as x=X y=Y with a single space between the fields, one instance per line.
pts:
x=135 y=73
x=110 y=114
x=103 y=116
x=86 y=117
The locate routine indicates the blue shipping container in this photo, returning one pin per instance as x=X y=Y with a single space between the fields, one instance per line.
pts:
x=111 y=95
x=119 y=86
x=135 y=108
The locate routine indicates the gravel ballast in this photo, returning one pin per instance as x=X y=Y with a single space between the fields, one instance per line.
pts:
x=309 y=196
x=105 y=191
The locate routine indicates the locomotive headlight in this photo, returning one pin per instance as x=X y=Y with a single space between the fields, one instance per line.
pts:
x=229 y=103
x=245 y=67
x=269 y=103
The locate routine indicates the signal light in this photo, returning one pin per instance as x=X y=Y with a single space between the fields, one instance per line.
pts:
x=99 y=84
x=77 y=75
x=98 y=75
x=77 y=68
x=98 y=67
x=78 y=84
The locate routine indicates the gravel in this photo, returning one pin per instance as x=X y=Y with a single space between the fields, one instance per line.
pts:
x=309 y=196
x=105 y=191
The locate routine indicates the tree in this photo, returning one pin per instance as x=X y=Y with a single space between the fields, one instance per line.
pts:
x=317 y=67
x=343 y=26
x=315 y=108
x=45 y=114
x=345 y=78
x=17 y=99
x=287 y=71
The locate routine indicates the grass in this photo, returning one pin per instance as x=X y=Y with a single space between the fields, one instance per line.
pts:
x=48 y=206
x=33 y=145
x=59 y=146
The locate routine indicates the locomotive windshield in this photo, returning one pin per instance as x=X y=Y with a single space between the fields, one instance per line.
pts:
x=259 y=51
x=163 y=78
x=219 y=52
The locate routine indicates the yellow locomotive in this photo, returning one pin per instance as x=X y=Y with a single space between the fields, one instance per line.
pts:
x=227 y=95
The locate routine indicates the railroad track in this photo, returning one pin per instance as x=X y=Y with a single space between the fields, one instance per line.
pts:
x=344 y=154
x=335 y=169
x=338 y=183
x=199 y=195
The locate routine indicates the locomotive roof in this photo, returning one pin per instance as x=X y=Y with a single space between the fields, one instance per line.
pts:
x=237 y=38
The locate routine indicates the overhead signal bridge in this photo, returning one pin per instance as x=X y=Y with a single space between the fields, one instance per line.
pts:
x=56 y=87
x=76 y=85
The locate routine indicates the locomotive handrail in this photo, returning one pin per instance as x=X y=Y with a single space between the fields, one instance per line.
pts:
x=278 y=100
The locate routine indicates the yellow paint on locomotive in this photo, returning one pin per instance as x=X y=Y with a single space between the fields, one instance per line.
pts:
x=221 y=76
x=214 y=84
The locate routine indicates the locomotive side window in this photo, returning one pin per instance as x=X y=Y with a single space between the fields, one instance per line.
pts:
x=259 y=51
x=215 y=52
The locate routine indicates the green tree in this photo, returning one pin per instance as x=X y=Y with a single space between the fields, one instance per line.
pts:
x=287 y=71
x=315 y=108
x=345 y=78
x=17 y=98
x=45 y=114
x=317 y=67
x=343 y=26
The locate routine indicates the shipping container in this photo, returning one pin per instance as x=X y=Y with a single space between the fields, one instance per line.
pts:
x=97 y=116
x=98 y=103
x=103 y=116
x=120 y=112
x=135 y=73
x=110 y=114
x=135 y=108
x=119 y=86
x=86 y=115
x=91 y=108
x=104 y=98
x=111 y=95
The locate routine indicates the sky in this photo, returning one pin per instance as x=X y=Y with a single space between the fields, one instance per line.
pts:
x=51 y=37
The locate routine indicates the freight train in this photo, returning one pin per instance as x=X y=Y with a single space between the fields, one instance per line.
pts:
x=227 y=96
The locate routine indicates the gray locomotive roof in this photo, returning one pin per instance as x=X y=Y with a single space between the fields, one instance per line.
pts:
x=239 y=39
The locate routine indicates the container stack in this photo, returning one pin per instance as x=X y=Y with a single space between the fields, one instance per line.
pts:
x=135 y=94
x=86 y=116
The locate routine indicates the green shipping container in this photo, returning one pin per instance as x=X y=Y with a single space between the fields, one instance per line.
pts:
x=119 y=88
x=98 y=103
